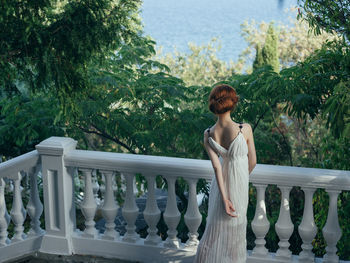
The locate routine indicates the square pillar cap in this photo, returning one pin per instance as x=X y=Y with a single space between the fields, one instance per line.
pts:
x=57 y=146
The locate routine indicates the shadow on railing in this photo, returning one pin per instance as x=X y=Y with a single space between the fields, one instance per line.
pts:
x=57 y=162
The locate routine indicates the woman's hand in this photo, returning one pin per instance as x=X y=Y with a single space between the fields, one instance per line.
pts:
x=229 y=208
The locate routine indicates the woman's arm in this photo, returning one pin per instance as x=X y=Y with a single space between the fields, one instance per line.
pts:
x=251 y=148
x=218 y=174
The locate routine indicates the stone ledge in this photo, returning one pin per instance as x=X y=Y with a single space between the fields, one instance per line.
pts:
x=47 y=258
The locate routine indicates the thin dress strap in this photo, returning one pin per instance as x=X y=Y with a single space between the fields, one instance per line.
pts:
x=240 y=126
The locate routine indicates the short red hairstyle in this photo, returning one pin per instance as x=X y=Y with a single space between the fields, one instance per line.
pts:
x=222 y=98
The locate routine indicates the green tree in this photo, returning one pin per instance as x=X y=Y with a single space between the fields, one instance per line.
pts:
x=328 y=15
x=47 y=45
x=200 y=66
x=295 y=42
x=332 y=16
x=27 y=120
x=270 y=52
x=259 y=60
x=48 y=51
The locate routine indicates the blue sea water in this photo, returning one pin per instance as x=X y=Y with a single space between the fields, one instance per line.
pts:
x=175 y=23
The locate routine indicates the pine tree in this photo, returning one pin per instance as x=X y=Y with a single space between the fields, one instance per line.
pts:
x=259 y=60
x=268 y=54
x=270 y=50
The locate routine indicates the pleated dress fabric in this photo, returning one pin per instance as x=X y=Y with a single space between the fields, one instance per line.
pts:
x=224 y=238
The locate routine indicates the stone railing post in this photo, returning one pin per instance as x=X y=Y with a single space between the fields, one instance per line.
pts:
x=260 y=223
x=58 y=189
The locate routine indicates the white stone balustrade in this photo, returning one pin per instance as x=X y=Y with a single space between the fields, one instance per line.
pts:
x=59 y=160
x=12 y=173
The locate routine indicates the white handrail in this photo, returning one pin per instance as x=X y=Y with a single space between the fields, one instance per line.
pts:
x=195 y=168
x=24 y=162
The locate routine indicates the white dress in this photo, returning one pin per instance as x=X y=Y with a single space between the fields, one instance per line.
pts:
x=224 y=238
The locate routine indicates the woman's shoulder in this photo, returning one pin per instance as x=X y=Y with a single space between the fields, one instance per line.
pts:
x=246 y=124
x=247 y=129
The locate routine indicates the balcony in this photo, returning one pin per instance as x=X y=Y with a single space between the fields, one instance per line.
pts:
x=57 y=161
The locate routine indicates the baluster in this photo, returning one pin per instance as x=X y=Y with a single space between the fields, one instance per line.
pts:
x=18 y=213
x=284 y=226
x=95 y=188
x=331 y=231
x=171 y=215
x=260 y=224
x=109 y=208
x=34 y=207
x=130 y=210
x=88 y=206
x=151 y=213
x=307 y=228
x=193 y=217
x=4 y=216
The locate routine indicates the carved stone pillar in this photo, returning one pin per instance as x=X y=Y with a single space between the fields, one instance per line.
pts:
x=260 y=224
x=307 y=228
x=193 y=217
x=18 y=213
x=151 y=213
x=331 y=231
x=88 y=206
x=130 y=210
x=34 y=206
x=284 y=226
x=171 y=215
x=109 y=208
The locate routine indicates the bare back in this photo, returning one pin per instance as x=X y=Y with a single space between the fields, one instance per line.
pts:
x=224 y=135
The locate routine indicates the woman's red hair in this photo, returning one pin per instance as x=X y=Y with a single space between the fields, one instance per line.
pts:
x=222 y=98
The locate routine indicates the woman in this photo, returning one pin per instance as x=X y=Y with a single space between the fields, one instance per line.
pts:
x=224 y=238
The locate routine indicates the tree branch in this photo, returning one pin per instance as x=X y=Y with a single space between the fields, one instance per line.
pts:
x=260 y=117
x=107 y=136
x=285 y=141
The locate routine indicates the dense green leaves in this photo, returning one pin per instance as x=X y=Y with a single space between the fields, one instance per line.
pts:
x=321 y=85
x=49 y=44
x=329 y=15
x=25 y=121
